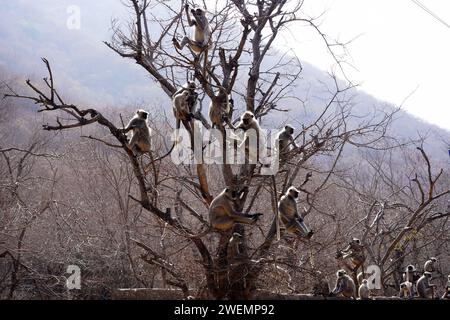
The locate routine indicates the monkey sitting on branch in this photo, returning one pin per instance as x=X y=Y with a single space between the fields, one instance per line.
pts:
x=289 y=216
x=181 y=110
x=220 y=110
x=140 y=141
x=222 y=214
x=192 y=96
x=286 y=142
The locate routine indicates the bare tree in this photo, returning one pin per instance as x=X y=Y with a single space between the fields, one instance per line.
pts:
x=244 y=49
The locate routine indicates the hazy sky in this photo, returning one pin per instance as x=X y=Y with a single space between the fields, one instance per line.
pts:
x=400 y=49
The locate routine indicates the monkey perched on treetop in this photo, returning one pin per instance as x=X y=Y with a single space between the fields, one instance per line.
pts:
x=202 y=38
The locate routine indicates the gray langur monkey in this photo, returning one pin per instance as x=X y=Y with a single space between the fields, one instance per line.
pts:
x=192 y=100
x=361 y=276
x=250 y=127
x=345 y=286
x=411 y=276
x=202 y=38
x=447 y=289
x=363 y=290
x=140 y=141
x=181 y=110
x=354 y=253
x=430 y=265
x=289 y=216
x=222 y=214
x=220 y=110
x=406 y=290
x=425 y=289
x=286 y=142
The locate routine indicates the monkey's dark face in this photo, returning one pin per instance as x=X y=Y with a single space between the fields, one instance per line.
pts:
x=433 y=259
x=191 y=85
x=142 y=114
x=247 y=118
x=231 y=193
x=293 y=193
x=198 y=13
x=410 y=268
x=289 y=129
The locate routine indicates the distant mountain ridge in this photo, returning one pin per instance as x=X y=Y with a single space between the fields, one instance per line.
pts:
x=90 y=73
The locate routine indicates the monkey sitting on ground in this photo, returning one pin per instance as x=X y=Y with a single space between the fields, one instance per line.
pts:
x=411 y=275
x=140 y=141
x=286 y=141
x=345 y=286
x=430 y=265
x=222 y=214
x=202 y=38
x=289 y=216
x=447 y=289
x=406 y=290
x=425 y=289
x=363 y=290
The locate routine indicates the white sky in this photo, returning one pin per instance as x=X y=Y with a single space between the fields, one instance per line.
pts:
x=400 y=48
